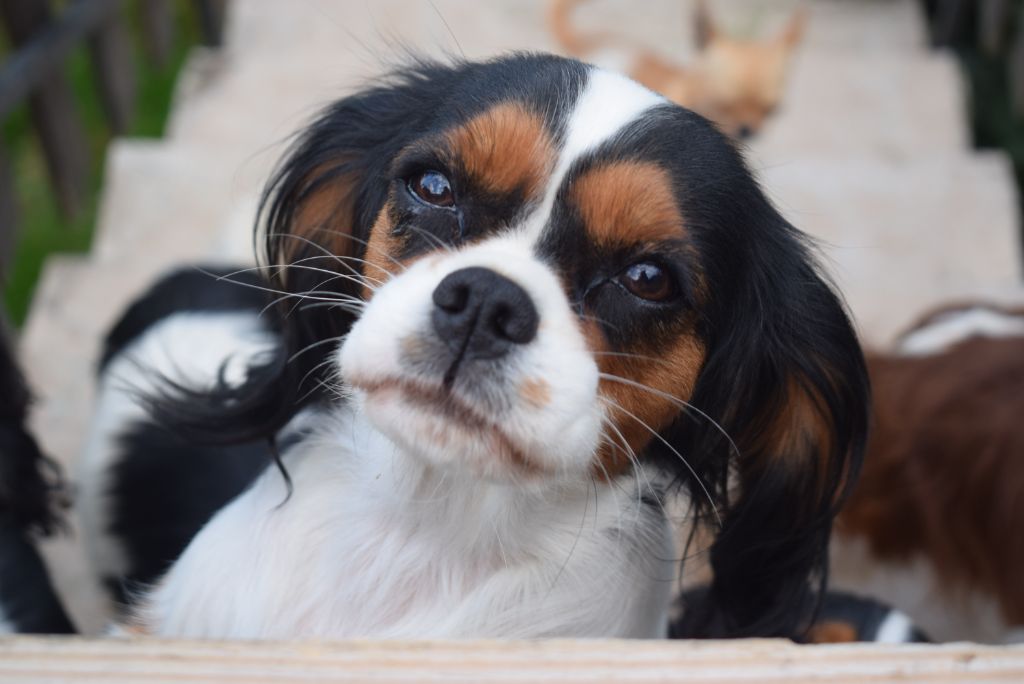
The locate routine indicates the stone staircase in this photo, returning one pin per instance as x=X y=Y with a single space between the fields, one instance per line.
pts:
x=870 y=154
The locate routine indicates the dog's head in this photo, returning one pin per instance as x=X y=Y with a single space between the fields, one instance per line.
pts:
x=738 y=83
x=539 y=272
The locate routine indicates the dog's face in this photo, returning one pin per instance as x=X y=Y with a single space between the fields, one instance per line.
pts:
x=534 y=286
x=740 y=82
x=557 y=274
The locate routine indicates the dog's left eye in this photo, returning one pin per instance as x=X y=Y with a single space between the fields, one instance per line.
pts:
x=433 y=188
x=647 y=280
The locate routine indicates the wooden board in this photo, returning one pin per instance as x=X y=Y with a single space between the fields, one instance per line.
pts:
x=55 y=659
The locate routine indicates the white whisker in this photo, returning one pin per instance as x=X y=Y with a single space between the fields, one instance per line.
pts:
x=676 y=400
x=664 y=441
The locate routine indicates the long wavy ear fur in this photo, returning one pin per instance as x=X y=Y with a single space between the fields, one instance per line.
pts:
x=31 y=488
x=317 y=211
x=787 y=379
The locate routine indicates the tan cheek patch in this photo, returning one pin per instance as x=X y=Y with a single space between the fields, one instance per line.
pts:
x=626 y=203
x=382 y=250
x=636 y=413
x=799 y=426
x=536 y=392
x=505 y=150
x=832 y=632
x=797 y=436
x=324 y=219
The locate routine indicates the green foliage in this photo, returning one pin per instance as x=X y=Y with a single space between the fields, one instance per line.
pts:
x=993 y=121
x=989 y=75
x=43 y=230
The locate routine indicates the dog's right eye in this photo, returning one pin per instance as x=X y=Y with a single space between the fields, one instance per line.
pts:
x=432 y=187
x=648 y=280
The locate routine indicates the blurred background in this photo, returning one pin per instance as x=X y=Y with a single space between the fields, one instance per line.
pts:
x=137 y=134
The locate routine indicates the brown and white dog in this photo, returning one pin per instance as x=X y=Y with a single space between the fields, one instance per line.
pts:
x=936 y=524
x=734 y=82
x=524 y=300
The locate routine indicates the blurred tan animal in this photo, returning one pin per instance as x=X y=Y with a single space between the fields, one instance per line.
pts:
x=735 y=82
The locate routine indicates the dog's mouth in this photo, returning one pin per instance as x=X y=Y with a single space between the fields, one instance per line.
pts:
x=446 y=420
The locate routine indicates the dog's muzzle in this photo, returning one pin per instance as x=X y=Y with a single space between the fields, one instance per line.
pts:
x=481 y=315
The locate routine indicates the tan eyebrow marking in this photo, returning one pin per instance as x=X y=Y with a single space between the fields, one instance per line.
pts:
x=506 y=149
x=627 y=202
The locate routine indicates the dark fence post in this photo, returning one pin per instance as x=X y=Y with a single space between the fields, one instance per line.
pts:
x=158 y=26
x=211 y=17
x=994 y=22
x=950 y=21
x=112 y=56
x=8 y=218
x=53 y=109
x=1015 y=73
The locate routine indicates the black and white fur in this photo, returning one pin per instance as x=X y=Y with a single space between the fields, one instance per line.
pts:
x=30 y=497
x=440 y=504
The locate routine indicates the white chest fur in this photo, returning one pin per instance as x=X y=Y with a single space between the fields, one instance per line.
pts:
x=374 y=544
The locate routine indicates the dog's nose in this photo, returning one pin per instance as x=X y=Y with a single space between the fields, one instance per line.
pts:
x=745 y=131
x=481 y=314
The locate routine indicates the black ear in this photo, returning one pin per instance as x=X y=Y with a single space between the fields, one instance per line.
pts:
x=786 y=379
x=314 y=224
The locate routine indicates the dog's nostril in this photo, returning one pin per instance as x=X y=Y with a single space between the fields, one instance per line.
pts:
x=516 y=323
x=744 y=132
x=452 y=299
x=482 y=314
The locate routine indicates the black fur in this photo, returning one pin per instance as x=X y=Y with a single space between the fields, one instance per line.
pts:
x=28 y=601
x=775 y=332
x=187 y=289
x=864 y=616
x=162 y=488
x=31 y=496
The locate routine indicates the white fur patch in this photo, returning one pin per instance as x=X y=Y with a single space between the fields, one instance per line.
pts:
x=609 y=102
x=956 y=327
x=188 y=347
x=372 y=544
x=896 y=628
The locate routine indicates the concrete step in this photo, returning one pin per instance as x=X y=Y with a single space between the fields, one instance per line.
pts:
x=904 y=236
x=162 y=201
x=835 y=105
x=231 y=109
x=358 y=28
x=841 y=101
x=870 y=106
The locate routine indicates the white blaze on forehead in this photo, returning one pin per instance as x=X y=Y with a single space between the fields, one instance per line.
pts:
x=952 y=328
x=608 y=103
